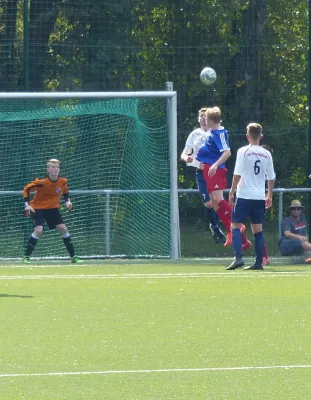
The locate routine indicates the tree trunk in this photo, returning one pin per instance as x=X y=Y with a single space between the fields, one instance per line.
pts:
x=42 y=18
x=244 y=78
x=9 y=81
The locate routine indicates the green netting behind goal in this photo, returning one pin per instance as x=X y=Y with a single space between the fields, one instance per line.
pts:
x=115 y=154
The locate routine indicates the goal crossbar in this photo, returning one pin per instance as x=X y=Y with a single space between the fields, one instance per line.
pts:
x=87 y=95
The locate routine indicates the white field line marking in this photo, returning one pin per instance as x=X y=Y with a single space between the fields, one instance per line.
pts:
x=124 y=263
x=33 y=265
x=239 y=274
x=150 y=371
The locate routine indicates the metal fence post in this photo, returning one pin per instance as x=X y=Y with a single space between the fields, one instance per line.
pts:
x=107 y=223
x=280 y=191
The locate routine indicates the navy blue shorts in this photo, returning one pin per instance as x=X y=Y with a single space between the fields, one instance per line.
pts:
x=289 y=247
x=254 y=209
x=199 y=177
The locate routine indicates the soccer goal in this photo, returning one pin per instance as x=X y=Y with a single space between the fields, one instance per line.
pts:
x=119 y=153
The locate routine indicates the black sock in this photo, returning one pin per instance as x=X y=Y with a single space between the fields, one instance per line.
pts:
x=69 y=246
x=30 y=246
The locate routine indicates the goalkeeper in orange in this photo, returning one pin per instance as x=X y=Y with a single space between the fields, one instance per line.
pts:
x=44 y=208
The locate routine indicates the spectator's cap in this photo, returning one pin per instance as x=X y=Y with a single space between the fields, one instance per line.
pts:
x=295 y=204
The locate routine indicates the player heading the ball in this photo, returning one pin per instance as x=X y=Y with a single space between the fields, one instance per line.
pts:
x=213 y=155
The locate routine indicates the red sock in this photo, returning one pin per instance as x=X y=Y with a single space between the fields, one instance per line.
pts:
x=244 y=238
x=265 y=251
x=224 y=213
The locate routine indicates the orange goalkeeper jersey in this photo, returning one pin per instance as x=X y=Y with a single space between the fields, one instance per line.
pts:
x=48 y=193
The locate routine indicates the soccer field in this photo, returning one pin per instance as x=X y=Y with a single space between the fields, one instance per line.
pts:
x=152 y=330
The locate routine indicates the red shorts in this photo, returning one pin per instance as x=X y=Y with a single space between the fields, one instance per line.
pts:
x=216 y=182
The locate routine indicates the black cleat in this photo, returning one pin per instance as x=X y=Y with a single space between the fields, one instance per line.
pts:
x=254 y=267
x=214 y=234
x=235 y=264
x=221 y=236
x=217 y=234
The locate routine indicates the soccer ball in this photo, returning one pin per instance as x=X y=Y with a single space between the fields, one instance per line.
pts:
x=208 y=76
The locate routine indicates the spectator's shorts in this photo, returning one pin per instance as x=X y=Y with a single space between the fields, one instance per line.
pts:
x=289 y=247
x=254 y=209
x=199 y=177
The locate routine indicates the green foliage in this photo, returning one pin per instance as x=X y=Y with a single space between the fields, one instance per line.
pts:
x=258 y=48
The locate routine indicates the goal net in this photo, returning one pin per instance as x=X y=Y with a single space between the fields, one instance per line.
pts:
x=115 y=153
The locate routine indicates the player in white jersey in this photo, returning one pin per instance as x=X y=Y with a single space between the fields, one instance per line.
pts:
x=194 y=141
x=253 y=166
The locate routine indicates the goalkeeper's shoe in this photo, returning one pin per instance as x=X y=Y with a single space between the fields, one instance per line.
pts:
x=76 y=260
x=26 y=260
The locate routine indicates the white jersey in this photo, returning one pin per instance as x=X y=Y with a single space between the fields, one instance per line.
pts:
x=195 y=140
x=254 y=164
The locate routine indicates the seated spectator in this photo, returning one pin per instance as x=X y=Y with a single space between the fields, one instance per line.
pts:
x=294 y=240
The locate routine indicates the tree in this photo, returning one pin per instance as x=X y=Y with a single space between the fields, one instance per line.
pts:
x=257 y=47
x=8 y=46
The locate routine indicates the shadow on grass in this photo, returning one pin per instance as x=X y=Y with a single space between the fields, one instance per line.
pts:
x=15 y=295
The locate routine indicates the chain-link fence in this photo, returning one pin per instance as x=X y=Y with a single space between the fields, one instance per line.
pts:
x=195 y=236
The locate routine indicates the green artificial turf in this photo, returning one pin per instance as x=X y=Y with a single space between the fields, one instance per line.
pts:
x=154 y=330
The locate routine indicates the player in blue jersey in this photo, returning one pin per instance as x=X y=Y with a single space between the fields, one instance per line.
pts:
x=213 y=155
x=253 y=166
x=194 y=141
